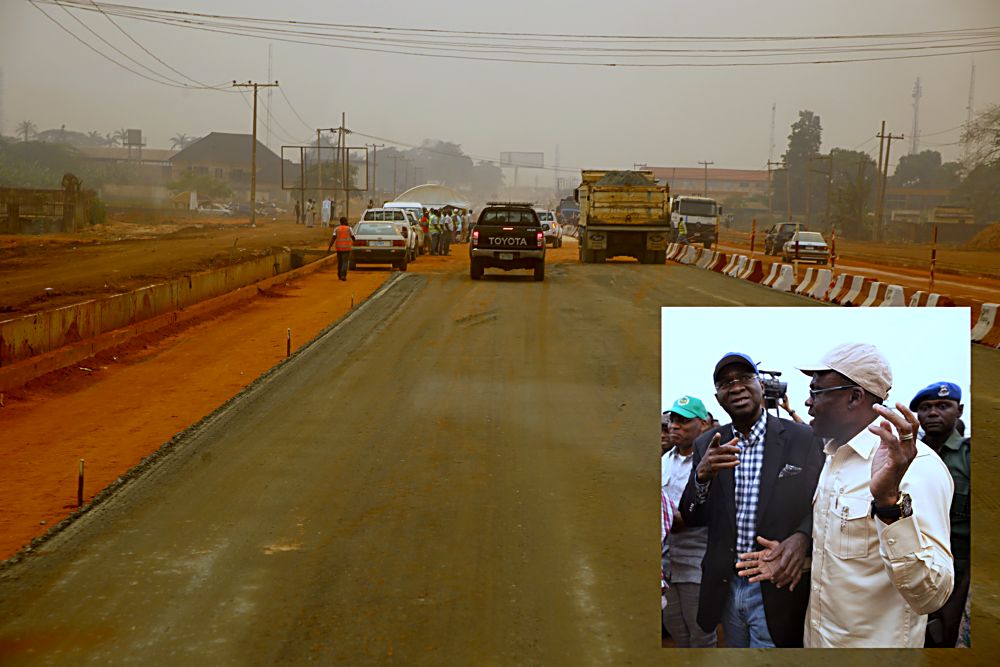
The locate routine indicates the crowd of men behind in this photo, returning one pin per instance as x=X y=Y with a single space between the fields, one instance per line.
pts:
x=850 y=532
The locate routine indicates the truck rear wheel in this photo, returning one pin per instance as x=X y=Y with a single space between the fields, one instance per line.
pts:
x=540 y=270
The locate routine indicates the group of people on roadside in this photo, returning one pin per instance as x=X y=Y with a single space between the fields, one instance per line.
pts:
x=444 y=226
x=852 y=531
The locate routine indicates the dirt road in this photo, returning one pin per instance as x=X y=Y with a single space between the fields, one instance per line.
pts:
x=41 y=272
x=460 y=473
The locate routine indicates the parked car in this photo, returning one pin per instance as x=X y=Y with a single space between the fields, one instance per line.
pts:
x=401 y=217
x=380 y=243
x=215 y=209
x=551 y=227
x=418 y=232
x=779 y=234
x=806 y=247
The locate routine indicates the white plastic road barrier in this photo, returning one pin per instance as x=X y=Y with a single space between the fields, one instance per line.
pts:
x=689 y=255
x=919 y=298
x=876 y=294
x=936 y=300
x=822 y=284
x=741 y=262
x=853 y=295
x=894 y=296
x=730 y=264
x=675 y=251
x=771 y=275
x=707 y=258
x=719 y=262
x=838 y=288
x=987 y=318
x=785 y=279
x=806 y=283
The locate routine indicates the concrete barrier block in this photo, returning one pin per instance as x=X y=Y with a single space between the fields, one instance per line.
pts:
x=807 y=281
x=986 y=322
x=895 y=297
x=839 y=287
x=772 y=274
x=706 y=259
x=720 y=262
x=738 y=266
x=938 y=301
x=821 y=286
x=876 y=295
x=785 y=280
x=753 y=272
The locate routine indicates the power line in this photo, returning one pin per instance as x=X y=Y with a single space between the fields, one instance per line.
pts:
x=292 y=33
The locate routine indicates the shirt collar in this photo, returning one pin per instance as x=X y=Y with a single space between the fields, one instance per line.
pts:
x=954 y=441
x=757 y=431
x=674 y=453
x=865 y=442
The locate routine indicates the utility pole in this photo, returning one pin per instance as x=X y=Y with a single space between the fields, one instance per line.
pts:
x=770 y=191
x=253 y=149
x=347 y=166
x=918 y=92
x=395 y=163
x=706 y=174
x=829 y=184
x=375 y=148
x=878 y=182
x=885 y=179
x=319 y=168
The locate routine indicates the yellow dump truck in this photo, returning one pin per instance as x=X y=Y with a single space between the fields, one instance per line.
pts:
x=623 y=214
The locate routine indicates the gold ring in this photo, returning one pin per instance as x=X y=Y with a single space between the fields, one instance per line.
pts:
x=908 y=436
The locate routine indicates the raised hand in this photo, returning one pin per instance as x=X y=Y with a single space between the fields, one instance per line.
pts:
x=718 y=457
x=894 y=454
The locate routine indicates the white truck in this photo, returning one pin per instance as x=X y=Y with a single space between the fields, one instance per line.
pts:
x=699 y=214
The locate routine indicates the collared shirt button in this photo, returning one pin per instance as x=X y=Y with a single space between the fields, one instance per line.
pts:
x=892 y=540
x=815 y=587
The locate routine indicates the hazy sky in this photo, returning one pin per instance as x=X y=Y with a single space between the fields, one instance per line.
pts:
x=784 y=339
x=599 y=117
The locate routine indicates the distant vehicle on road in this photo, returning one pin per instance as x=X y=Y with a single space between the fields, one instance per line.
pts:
x=215 y=209
x=623 y=214
x=551 y=227
x=401 y=217
x=700 y=215
x=508 y=235
x=806 y=247
x=380 y=243
x=778 y=234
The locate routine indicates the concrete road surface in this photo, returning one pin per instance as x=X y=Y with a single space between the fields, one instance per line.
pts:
x=460 y=473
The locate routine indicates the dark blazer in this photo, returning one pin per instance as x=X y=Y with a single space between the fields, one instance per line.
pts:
x=784 y=507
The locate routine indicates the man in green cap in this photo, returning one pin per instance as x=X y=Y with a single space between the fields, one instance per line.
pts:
x=688 y=419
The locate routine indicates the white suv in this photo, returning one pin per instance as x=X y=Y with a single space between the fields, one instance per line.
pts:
x=400 y=217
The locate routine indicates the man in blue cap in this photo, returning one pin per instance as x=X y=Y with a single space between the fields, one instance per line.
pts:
x=686 y=420
x=938 y=408
x=752 y=482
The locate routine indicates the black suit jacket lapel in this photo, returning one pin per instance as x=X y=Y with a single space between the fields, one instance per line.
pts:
x=774 y=459
x=727 y=481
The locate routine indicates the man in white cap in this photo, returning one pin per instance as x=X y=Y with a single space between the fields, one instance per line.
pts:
x=881 y=559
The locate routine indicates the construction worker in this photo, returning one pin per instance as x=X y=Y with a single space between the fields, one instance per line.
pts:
x=343 y=241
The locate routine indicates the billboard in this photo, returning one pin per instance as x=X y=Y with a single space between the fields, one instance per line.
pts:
x=522 y=159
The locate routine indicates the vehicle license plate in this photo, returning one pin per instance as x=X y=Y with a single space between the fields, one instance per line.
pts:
x=506 y=255
x=380 y=244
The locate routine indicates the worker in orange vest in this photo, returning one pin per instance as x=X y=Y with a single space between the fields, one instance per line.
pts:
x=342 y=240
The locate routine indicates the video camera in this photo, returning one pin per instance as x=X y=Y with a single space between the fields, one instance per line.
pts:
x=774 y=388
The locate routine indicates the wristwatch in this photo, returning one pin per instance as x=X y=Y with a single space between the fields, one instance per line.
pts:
x=902 y=509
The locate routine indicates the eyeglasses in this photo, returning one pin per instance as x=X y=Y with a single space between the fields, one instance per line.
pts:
x=739 y=379
x=813 y=392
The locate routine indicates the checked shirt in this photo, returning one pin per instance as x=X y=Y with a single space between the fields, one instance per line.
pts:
x=747 y=475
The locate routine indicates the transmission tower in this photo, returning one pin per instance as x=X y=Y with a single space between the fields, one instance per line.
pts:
x=972 y=90
x=770 y=149
x=556 y=170
x=1 y=102
x=918 y=92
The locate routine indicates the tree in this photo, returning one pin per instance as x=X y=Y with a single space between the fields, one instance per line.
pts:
x=120 y=136
x=853 y=194
x=803 y=143
x=181 y=141
x=26 y=129
x=981 y=139
x=95 y=138
x=204 y=184
x=924 y=170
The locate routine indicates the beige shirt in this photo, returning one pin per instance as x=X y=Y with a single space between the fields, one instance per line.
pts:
x=873 y=584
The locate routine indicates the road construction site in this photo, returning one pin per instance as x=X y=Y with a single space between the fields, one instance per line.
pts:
x=443 y=471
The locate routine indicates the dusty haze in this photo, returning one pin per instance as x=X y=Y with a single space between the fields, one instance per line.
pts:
x=609 y=117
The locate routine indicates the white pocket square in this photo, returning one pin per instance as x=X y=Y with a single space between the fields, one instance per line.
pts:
x=789 y=471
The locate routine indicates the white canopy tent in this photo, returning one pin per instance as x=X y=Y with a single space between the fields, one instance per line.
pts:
x=432 y=195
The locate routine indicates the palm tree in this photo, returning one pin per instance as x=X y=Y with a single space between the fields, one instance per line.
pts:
x=180 y=140
x=110 y=140
x=120 y=136
x=26 y=128
x=96 y=138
